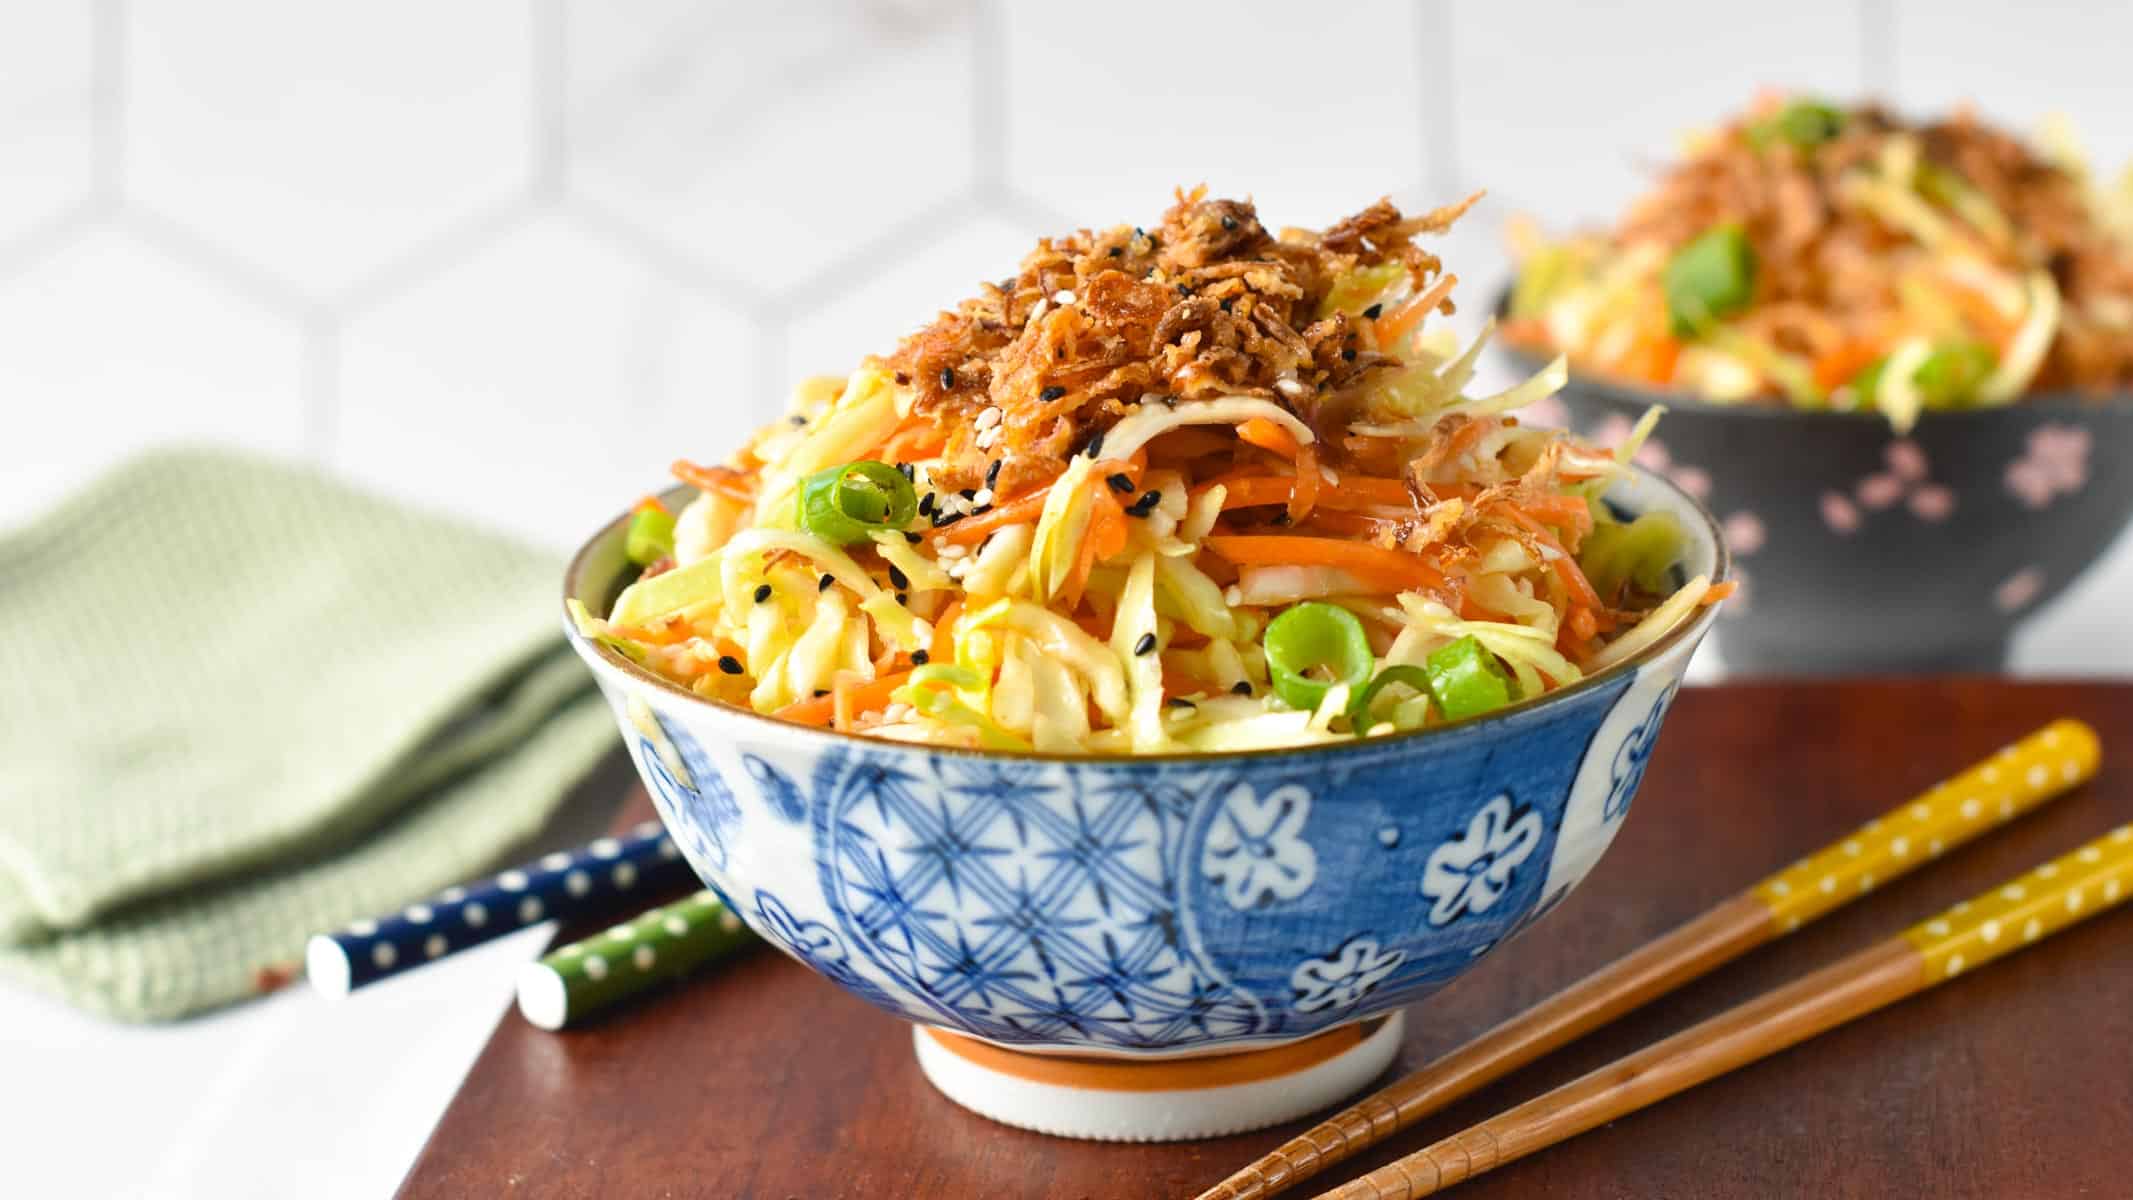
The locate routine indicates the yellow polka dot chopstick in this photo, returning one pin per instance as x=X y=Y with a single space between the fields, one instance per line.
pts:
x=2017 y=779
x=2027 y=909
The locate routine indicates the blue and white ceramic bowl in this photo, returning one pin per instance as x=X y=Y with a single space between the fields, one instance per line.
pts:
x=1149 y=906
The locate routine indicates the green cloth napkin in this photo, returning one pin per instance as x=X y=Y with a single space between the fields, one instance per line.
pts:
x=241 y=703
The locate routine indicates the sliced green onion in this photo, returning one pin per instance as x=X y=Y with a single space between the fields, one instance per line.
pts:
x=843 y=505
x=1948 y=378
x=1642 y=552
x=1804 y=123
x=932 y=691
x=1316 y=636
x=651 y=536
x=1711 y=277
x=1399 y=673
x=1466 y=680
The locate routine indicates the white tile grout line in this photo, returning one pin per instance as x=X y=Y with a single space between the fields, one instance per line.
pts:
x=1877 y=49
x=550 y=102
x=1435 y=63
x=107 y=101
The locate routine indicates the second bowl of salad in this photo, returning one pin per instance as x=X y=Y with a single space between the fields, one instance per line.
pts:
x=1895 y=357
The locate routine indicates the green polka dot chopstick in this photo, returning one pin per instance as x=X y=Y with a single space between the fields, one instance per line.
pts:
x=649 y=949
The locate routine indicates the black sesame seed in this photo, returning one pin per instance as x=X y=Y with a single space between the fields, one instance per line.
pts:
x=1146 y=644
x=821 y=692
x=1139 y=232
x=913 y=538
x=797 y=419
x=903 y=597
x=968 y=493
x=1373 y=311
x=762 y=593
x=729 y=664
x=1096 y=446
x=1229 y=223
x=1242 y=687
x=1121 y=483
x=1146 y=504
x=1225 y=305
x=1348 y=355
x=947 y=379
x=1051 y=393
x=903 y=379
x=1116 y=251
x=1183 y=290
x=897 y=578
x=919 y=658
x=1180 y=702
x=1281 y=518
x=925 y=505
x=992 y=473
x=946 y=519
x=823 y=584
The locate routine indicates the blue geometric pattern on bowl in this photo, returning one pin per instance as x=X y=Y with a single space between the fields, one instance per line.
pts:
x=1142 y=906
x=691 y=796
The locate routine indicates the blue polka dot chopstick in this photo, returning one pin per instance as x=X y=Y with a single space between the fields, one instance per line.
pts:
x=604 y=874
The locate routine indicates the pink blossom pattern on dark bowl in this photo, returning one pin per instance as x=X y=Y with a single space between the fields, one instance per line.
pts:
x=1862 y=550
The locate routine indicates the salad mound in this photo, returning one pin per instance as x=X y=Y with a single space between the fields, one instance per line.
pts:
x=1194 y=486
x=1847 y=258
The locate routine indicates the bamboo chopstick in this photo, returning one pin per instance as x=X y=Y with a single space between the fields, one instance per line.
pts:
x=2027 y=909
x=2015 y=780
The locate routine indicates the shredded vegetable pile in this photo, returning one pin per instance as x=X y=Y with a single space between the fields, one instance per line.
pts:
x=1193 y=487
x=1847 y=259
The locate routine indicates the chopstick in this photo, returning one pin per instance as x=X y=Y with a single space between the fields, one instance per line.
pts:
x=603 y=874
x=2025 y=910
x=2015 y=780
x=571 y=984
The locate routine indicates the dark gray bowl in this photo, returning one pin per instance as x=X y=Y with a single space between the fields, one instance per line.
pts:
x=1859 y=550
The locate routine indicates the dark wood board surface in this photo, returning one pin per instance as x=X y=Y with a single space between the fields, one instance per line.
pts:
x=761 y=1080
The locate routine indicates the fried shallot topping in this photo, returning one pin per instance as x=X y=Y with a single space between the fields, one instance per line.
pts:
x=1206 y=304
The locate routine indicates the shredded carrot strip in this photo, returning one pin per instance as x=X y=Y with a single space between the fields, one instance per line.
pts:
x=1303 y=490
x=1179 y=444
x=1027 y=507
x=1105 y=536
x=1355 y=493
x=727 y=482
x=943 y=647
x=1404 y=572
x=1268 y=436
x=1718 y=592
x=916 y=441
x=1406 y=316
x=863 y=695
x=1843 y=363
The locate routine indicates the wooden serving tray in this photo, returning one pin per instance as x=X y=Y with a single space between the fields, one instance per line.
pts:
x=762 y=1080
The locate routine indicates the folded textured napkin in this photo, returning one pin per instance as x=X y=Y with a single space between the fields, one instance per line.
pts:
x=240 y=703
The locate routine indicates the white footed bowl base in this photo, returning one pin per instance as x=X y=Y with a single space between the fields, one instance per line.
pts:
x=1080 y=1099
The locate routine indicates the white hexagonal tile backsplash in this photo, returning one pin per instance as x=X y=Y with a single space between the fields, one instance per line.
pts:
x=509 y=257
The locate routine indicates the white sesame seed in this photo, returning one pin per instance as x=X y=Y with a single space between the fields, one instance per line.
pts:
x=1290 y=388
x=1232 y=596
x=1039 y=309
x=1063 y=297
x=983 y=498
x=987 y=418
x=987 y=437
